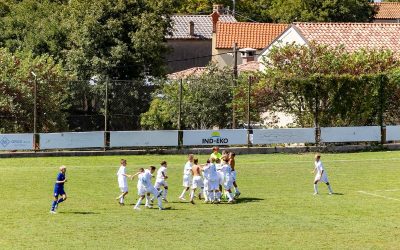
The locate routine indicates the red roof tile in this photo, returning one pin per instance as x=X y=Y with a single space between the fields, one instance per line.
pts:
x=247 y=35
x=387 y=10
x=196 y=71
x=353 y=36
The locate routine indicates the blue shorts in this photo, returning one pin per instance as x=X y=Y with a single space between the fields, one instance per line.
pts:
x=58 y=192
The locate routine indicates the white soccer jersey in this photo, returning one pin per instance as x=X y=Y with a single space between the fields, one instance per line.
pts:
x=187 y=170
x=320 y=172
x=162 y=170
x=122 y=180
x=206 y=172
x=147 y=178
x=213 y=173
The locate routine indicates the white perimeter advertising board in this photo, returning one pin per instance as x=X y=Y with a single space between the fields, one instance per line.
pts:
x=72 y=140
x=143 y=138
x=16 y=141
x=392 y=133
x=215 y=137
x=350 y=134
x=289 y=135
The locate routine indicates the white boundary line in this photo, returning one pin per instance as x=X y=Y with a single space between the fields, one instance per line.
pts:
x=377 y=195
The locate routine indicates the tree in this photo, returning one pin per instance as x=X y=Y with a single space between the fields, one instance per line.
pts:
x=33 y=26
x=117 y=39
x=206 y=102
x=331 y=86
x=288 y=11
x=17 y=93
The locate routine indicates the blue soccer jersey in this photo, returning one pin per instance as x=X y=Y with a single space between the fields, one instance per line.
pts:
x=59 y=187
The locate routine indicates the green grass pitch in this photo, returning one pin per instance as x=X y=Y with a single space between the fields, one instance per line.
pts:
x=275 y=211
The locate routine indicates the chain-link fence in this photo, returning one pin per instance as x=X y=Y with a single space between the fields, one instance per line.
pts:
x=114 y=105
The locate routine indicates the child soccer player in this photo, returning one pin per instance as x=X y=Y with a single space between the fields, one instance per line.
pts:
x=161 y=180
x=122 y=182
x=320 y=175
x=232 y=163
x=187 y=176
x=141 y=188
x=150 y=189
x=59 y=189
x=197 y=181
x=228 y=184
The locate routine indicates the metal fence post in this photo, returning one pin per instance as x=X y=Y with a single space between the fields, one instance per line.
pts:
x=105 y=116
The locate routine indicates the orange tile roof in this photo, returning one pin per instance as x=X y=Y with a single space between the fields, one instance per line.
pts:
x=353 y=36
x=247 y=35
x=387 y=10
x=196 y=71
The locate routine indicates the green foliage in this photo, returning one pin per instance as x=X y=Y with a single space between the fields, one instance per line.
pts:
x=33 y=26
x=206 y=101
x=288 y=11
x=17 y=93
x=118 y=39
x=331 y=86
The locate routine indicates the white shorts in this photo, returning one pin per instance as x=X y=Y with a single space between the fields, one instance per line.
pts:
x=197 y=182
x=213 y=185
x=221 y=178
x=234 y=175
x=323 y=179
x=152 y=190
x=228 y=184
x=187 y=180
x=123 y=189
x=160 y=183
x=206 y=185
x=141 y=191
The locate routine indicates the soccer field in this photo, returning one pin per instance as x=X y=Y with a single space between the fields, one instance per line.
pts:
x=277 y=208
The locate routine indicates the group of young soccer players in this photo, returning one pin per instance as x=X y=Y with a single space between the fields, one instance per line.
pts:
x=210 y=178
x=218 y=174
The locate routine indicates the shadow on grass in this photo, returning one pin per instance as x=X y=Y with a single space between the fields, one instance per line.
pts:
x=78 y=212
x=247 y=200
x=337 y=193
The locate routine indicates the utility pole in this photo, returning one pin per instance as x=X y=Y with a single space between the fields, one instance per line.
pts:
x=235 y=76
x=234 y=8
x=34 y=111
x=180 y=105
x=106 y=115
x=251 y=79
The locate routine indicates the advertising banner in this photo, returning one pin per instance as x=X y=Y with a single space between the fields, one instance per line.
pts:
x=392 y=133
x=215 y=137
x=72 y=140
x=16 y=141
x=143 y=138
x=287 y=135
x=350 y=134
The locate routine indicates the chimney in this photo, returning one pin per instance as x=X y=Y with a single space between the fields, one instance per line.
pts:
x=219 y=8
x=247 y=54
x=191 y=28
x=215 y=18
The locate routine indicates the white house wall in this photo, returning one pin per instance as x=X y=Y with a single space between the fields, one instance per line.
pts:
x=288 y=37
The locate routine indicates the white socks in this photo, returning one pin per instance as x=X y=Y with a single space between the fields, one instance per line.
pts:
x=165 y=193
x=121 y=200
x=139 y=202
x=315 y=188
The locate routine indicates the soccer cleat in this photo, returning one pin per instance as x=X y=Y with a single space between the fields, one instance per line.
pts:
x=315 y=193
x=191 y=201
x=53 y=212
x=121 y=204
x=161 y=208
x=148 y=206
x=199 y=196
x=165 y=200
x=182 y=198
x=237 y=195
x=136 y=208
x=330 y=193
x=231 y=201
